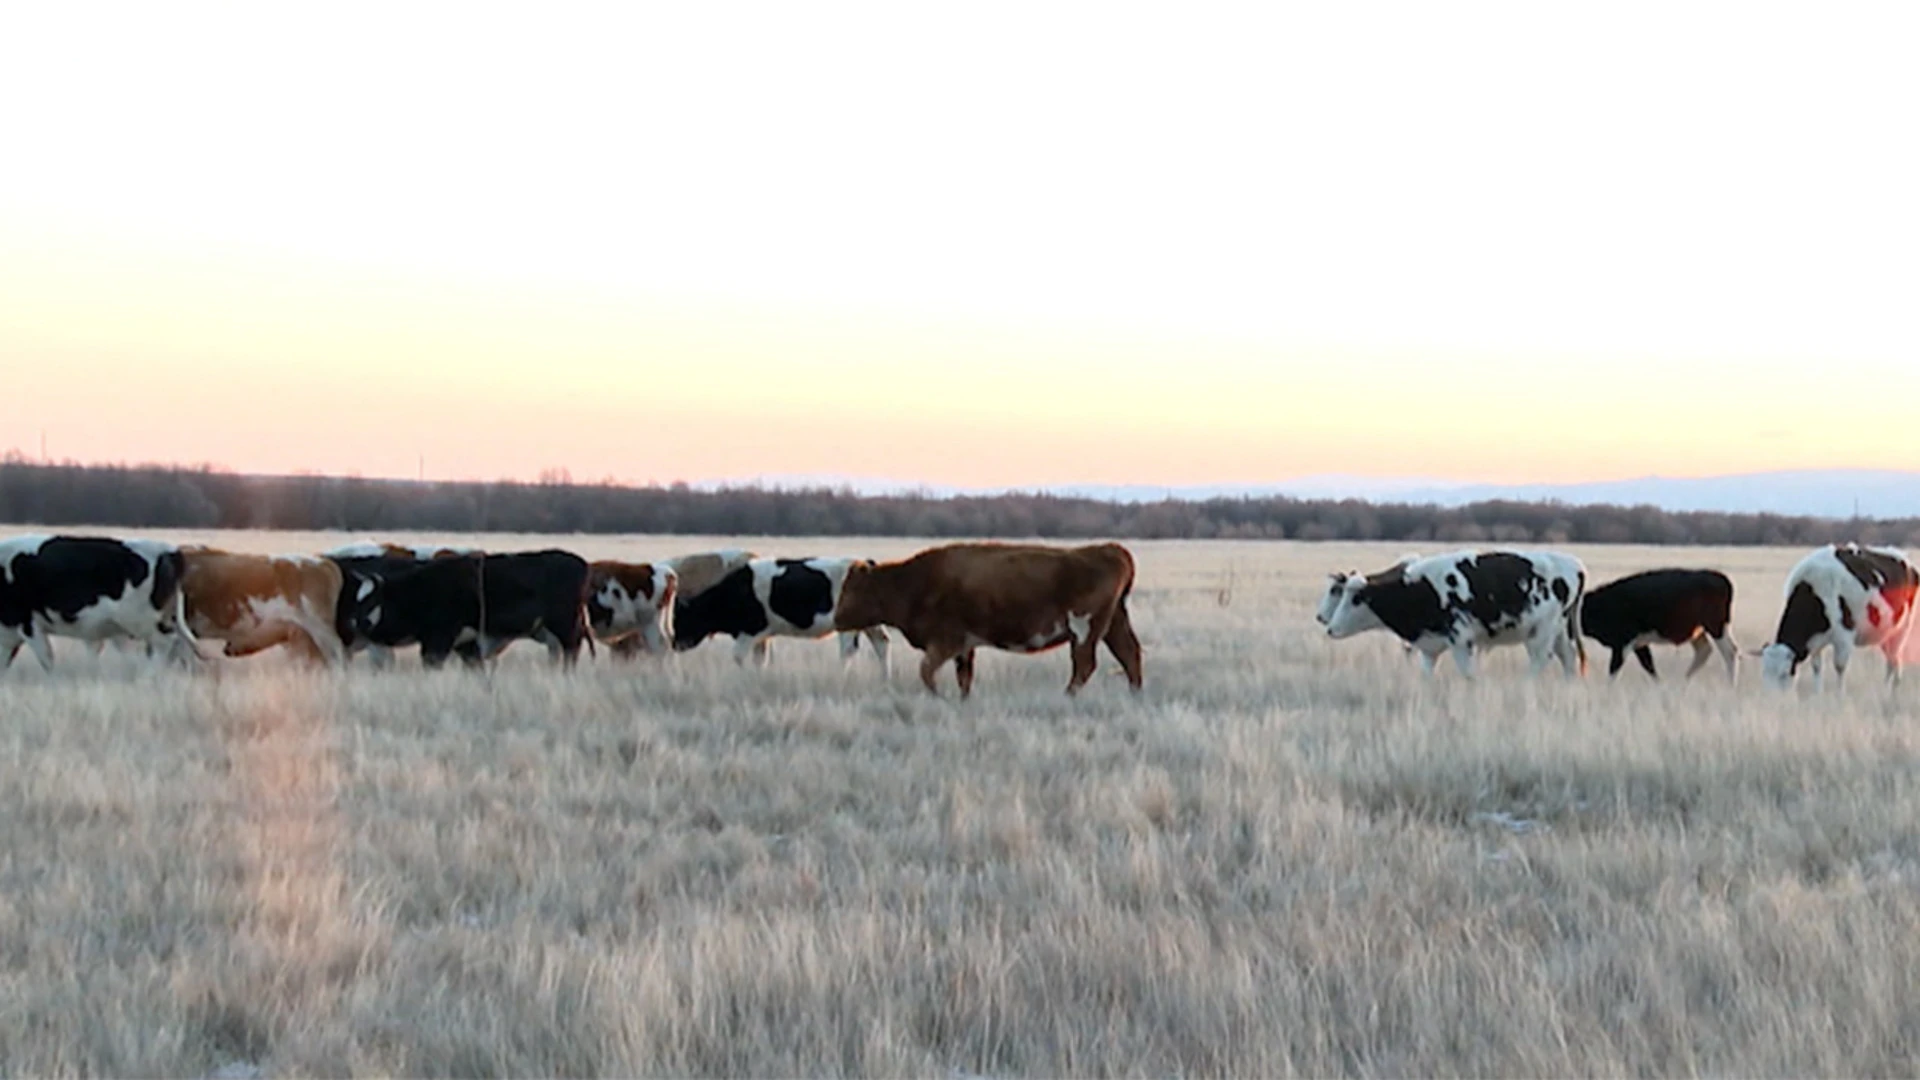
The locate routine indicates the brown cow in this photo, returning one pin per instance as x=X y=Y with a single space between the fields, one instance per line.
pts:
x=630 y=606
x=1023 y=598
x=254 y=602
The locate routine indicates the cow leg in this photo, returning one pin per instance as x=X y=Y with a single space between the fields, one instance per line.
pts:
x=434 y=650
x=1427 y=661
x=262 y=639
x=934 y=655
x=849 y=644
x=1085 y=661
x=381 y=657
x=305 y=649
x=556 y=649
x=1644 y=654
x=653 y=639
x=1086 y=645
x=963 y=673
x=1567 y=649
x=760 y=648
x=1463 y=658
x=877 y=637
x=181 y=651
x=1615 y=662
x=1124 y=644
x=11 y=648
x=42 y=645
x=1730 y=653
x=1539 y=648
x=1842 y=658
x=1702 y=652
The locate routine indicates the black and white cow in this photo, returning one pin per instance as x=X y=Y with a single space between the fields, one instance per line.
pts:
x=88 y=587
x=1675 y=607
x=1842 y=597
x=1467 y=600
x=472 y=604
x=769 y=598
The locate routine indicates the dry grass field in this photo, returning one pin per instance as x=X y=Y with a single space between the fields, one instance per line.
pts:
x=1288 y=856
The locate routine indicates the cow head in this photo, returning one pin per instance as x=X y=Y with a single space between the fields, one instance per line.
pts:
x=605 y=595
x=359 y=610
x=1343 y=609
x=1778 y=665
x=863 y=599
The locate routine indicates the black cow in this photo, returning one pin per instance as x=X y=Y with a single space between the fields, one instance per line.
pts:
x=475 y=605
x=94 y=588
x=769 y=598
x=1677 y=607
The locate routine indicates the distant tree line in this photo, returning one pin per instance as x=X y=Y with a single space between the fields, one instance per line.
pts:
x=170 y=497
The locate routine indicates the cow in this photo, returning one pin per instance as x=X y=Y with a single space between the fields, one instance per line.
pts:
x=630 y=606
x=370 y=557
x=87 y=587
x=1467 y=600
x=1024 y=598
x=1843 y=597
x=370 y=549
x=703 y=570
x=254 y=602
x=472 y=604
x=1677 y=607
x=769 y=598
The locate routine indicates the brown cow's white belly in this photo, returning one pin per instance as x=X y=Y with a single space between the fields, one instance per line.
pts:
x=260 y=615
x=1074 y=629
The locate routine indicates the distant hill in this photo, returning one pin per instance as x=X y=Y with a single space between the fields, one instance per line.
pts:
x=1826 y=493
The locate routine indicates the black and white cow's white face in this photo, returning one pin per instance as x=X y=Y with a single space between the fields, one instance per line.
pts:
x=359 y=602
x=1343 y=608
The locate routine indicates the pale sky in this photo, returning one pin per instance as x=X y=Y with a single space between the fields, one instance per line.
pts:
x=974 y=244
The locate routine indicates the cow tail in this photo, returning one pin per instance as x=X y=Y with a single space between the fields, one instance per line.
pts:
x=1573 y=622
x=178 y=583
x=669 y=599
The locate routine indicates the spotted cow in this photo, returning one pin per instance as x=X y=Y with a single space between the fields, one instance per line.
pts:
x=630 y=606
x=1465 y=601
x=93 y=588
x=1842 y=597
x=769 y=598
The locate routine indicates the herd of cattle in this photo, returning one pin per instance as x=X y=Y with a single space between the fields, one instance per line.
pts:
x=1839 y=598
x=947 y=601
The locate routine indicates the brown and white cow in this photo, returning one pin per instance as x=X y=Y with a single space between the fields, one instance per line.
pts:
x=1024 y=598
x=254 y=602
x=630 y=606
